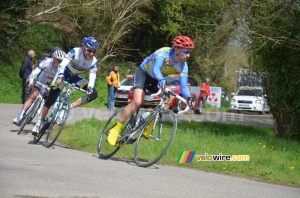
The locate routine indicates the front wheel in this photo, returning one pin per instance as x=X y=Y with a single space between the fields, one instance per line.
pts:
x=57 y=124
x=149 y=151
x=30 y=113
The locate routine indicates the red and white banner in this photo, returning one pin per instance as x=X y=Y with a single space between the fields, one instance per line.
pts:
x=214 y=99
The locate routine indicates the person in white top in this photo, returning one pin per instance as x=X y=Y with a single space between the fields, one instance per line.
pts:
x=45 y=74
x=77 y=61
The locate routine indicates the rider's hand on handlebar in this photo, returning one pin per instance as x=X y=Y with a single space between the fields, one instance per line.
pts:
x=162 y=84
x=59 y=81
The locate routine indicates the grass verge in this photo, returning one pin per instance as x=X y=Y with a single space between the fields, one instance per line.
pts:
x=271 y=159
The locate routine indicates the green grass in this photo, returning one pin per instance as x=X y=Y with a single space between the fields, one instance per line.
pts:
x=271 y=159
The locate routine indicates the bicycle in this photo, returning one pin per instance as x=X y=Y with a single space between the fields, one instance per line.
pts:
x=35 y=106
x=55 y=123
x=147 y=151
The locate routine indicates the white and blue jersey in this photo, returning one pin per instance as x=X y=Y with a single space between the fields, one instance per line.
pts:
x=75 y=64
x=44 y=72
x=162 y=62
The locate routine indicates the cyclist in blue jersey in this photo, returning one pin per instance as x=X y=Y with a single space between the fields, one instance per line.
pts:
x=150 y=76
x=77 y=61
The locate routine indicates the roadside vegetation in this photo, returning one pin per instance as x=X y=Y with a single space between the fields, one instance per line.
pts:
x=271 y=159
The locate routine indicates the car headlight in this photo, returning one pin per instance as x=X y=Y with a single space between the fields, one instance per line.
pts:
x=258 y=101
x=232 y=100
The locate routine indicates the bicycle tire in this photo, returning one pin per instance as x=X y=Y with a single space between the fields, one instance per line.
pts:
x=57 y=124
x=105 y=150
x=27 y=118
x=149 y=151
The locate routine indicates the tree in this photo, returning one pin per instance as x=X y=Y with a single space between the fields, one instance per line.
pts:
x=109 y=21
x=275 y=33
x=12 y=23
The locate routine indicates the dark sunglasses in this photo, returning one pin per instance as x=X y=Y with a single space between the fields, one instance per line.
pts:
x=91 y=51
x=58 y=60
x=185 y=51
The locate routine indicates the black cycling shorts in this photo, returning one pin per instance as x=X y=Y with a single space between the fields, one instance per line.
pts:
x=144 y=81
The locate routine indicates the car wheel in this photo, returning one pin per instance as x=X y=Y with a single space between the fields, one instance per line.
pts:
x=178 y=106
x=263 y=111
x=199 y=109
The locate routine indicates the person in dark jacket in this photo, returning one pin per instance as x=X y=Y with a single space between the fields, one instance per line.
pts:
x=25 y=73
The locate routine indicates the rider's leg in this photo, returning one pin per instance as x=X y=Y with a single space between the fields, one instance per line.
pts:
x=84 y=99
x=44 y=111
x=138 y=99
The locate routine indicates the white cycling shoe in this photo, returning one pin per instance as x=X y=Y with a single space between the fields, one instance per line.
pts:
x=35 y=130
x=16 y=121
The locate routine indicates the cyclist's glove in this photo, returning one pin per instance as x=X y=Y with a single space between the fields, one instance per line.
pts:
x=191 y=102
x=162 y=83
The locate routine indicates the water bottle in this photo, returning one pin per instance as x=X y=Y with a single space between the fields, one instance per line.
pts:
x=142 y=118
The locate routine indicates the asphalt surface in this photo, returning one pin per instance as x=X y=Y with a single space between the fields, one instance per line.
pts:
x=28 y=170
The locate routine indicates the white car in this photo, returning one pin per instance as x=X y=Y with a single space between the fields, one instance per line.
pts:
x=249 y=99
x=123 y=91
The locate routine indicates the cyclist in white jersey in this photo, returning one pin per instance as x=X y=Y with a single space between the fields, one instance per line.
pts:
x=150 y=76
x=44 y=73
x=77 y=61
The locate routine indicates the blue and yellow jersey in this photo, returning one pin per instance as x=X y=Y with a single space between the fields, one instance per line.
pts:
x=162 y=63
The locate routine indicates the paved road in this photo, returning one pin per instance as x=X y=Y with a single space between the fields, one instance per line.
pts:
x=28 y=170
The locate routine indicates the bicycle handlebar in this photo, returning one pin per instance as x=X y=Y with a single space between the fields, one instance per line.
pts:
x=169 y=91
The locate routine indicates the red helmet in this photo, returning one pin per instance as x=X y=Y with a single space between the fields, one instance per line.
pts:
x=183 y=42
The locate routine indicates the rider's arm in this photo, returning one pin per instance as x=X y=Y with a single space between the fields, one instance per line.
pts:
x=65 y=62
x=92 y=76
x=183 y=79
x=158 y=63
x=34 y=74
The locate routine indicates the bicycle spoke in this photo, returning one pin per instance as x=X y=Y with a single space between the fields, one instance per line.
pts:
x=149 y=151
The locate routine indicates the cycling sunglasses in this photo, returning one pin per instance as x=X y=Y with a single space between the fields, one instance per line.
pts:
x=185 y=51
x=90 y=50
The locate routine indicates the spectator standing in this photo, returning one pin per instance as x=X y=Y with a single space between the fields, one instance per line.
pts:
x=113 y=83
x=25 y=72
x=205 y=86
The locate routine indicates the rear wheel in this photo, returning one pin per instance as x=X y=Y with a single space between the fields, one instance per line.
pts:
x=149 y=151
x=57 y=124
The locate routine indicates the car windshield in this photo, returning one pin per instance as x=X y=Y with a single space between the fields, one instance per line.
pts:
x=127 y=82
x=174 y=80
x=250 y=92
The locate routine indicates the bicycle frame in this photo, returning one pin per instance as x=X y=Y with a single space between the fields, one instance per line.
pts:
x=131 y=131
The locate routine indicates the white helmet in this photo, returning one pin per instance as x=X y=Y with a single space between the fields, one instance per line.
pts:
x=58 y=54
